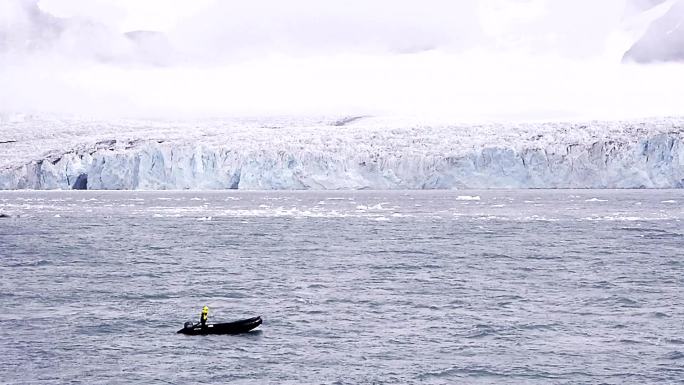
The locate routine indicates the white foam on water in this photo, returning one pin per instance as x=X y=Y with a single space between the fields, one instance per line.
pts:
x=539 y=218
x=378 y=206
x=380 y=219
x=489 y=218
x=618 y=218
x=595 y=200
x=400 y=215
x=468 y=198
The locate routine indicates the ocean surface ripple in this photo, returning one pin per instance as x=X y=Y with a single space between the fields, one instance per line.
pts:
x=435 y=287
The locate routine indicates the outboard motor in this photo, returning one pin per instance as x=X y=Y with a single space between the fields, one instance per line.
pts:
x=188 y=325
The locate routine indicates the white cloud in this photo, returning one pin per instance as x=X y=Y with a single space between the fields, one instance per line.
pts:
x=462 y=59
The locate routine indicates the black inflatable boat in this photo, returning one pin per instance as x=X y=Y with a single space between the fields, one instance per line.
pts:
x=237 y=327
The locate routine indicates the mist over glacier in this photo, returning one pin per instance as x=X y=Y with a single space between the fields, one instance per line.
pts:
x=448 y=94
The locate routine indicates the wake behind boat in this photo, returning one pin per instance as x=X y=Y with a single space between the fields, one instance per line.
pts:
x=236 y=327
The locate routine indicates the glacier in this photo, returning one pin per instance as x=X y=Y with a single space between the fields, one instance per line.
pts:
x=348 y=153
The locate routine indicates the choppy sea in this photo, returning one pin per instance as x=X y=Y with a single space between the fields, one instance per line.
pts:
x=433 y=287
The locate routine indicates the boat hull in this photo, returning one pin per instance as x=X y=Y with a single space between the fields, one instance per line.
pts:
x=237 y=327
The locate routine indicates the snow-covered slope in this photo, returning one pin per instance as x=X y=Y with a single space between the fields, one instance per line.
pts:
x=366 y=153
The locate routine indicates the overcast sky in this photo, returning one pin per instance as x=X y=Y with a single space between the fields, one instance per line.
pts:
x=466 y=59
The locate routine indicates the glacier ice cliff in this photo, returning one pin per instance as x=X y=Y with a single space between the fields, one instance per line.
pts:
x=365 y=154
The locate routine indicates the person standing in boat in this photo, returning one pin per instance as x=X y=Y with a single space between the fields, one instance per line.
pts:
x=203 y=316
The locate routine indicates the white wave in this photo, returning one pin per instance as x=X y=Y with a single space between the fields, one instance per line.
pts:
x=468 y=198
x=400 y=215
x=627 y=218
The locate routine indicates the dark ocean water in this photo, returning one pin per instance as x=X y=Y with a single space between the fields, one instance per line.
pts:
x=433 y=287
